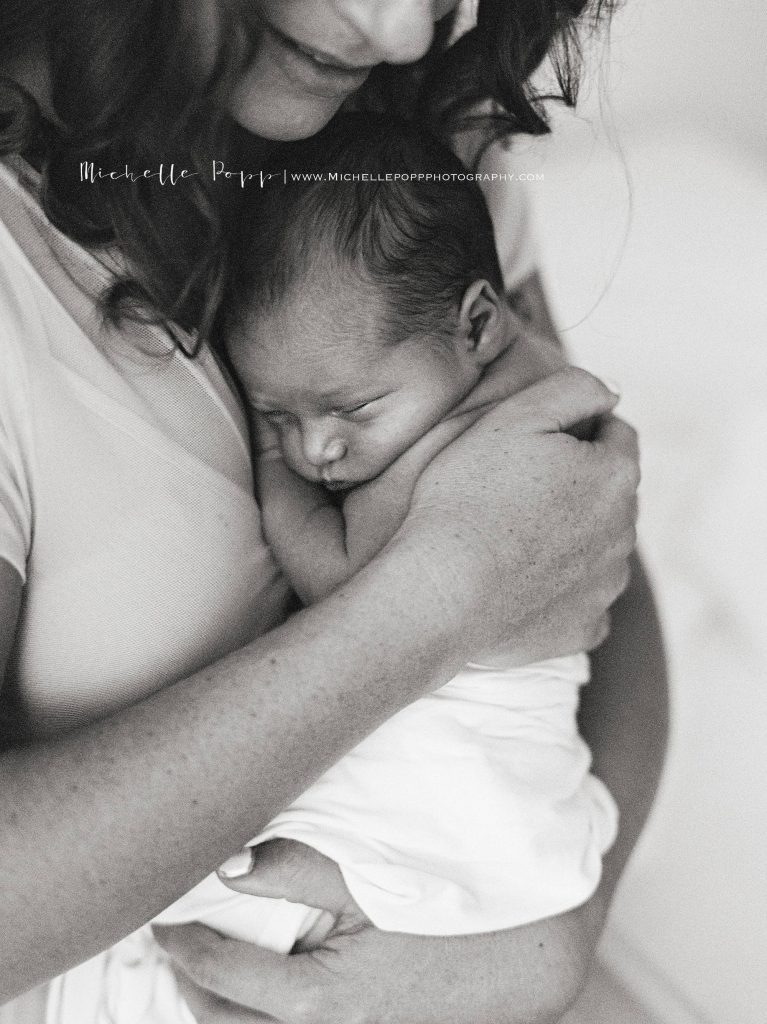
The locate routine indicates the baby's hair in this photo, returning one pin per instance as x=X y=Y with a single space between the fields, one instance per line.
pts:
x=418 y=243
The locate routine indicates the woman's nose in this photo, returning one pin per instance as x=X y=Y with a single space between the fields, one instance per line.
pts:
x=396 y=31
x=322 y=447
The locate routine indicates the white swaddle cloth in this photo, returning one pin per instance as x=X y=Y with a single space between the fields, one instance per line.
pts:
x=472 y=810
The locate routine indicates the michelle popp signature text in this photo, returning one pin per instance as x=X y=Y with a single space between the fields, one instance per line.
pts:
x=170 y=174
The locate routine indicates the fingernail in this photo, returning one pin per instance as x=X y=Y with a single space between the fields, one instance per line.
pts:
x=613 y=386
x=237 y=866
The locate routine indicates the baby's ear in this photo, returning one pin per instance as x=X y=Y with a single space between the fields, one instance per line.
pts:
x=483 y=324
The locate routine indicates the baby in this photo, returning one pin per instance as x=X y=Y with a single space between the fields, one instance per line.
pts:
x=361 y=316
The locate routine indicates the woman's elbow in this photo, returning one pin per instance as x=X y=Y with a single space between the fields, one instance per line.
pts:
x=568 y=949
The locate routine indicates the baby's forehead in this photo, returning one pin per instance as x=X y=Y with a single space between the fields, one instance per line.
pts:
x=309 y=344
x=334 y=316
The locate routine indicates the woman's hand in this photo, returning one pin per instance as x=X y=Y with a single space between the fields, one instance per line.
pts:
x=539 y=522
x=360 y=975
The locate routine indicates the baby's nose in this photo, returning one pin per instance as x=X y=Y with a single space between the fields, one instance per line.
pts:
x=321 y=450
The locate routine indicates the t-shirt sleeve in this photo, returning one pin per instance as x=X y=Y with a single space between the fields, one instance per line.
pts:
x=15 y=427
x=511 y=210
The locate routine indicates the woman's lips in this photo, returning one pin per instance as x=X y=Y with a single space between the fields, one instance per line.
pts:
x=312 y=70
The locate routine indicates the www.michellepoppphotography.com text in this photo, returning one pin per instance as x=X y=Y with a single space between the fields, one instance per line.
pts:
x=172 y=175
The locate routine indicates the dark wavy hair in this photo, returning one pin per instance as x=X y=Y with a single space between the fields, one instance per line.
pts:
x=123 y=92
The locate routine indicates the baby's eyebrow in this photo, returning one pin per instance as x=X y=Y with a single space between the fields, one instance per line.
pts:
x=343 y=395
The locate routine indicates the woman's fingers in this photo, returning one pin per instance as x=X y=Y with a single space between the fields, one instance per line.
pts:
x=288 y=870
x=599 y=632
x=372 y=977
x=209 y=1009
x=562 y=400
x=238 y=972
x=618 y=438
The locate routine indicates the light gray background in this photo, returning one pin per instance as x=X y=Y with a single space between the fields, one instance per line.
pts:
x=666 y=293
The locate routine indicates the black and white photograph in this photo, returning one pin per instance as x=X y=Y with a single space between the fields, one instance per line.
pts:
x=383 y=512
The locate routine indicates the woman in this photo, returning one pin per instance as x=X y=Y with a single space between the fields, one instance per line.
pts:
x=148 y=734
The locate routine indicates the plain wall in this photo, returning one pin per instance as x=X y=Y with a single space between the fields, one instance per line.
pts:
x=652 y=217
x=700 y=63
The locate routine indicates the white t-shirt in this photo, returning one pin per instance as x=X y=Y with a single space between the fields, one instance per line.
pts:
x=126 y=495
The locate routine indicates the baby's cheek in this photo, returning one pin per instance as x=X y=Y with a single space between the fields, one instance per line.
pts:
x=293 y=453
x=387 y=444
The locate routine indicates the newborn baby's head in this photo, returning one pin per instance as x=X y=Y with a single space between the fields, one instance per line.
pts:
x=361 y=312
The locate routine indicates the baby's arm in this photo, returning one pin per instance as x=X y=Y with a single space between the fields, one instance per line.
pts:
x=320 y=545
x=303 y=527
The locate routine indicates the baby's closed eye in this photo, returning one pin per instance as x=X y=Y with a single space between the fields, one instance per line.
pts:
x=359 y=410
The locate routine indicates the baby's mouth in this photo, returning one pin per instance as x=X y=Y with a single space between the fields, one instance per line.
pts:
x=337 y=485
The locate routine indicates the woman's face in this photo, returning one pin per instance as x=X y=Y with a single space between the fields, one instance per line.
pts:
x=310 y=55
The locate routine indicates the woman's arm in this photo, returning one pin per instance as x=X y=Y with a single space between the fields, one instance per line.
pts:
x=528 y=975
x=105 y=825
x=624 y=714
x=10 y=602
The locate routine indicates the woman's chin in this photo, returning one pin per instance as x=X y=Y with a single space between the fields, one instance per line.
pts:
x=280 y=120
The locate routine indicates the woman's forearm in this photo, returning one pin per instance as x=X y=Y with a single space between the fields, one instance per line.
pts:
x=106 y=825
